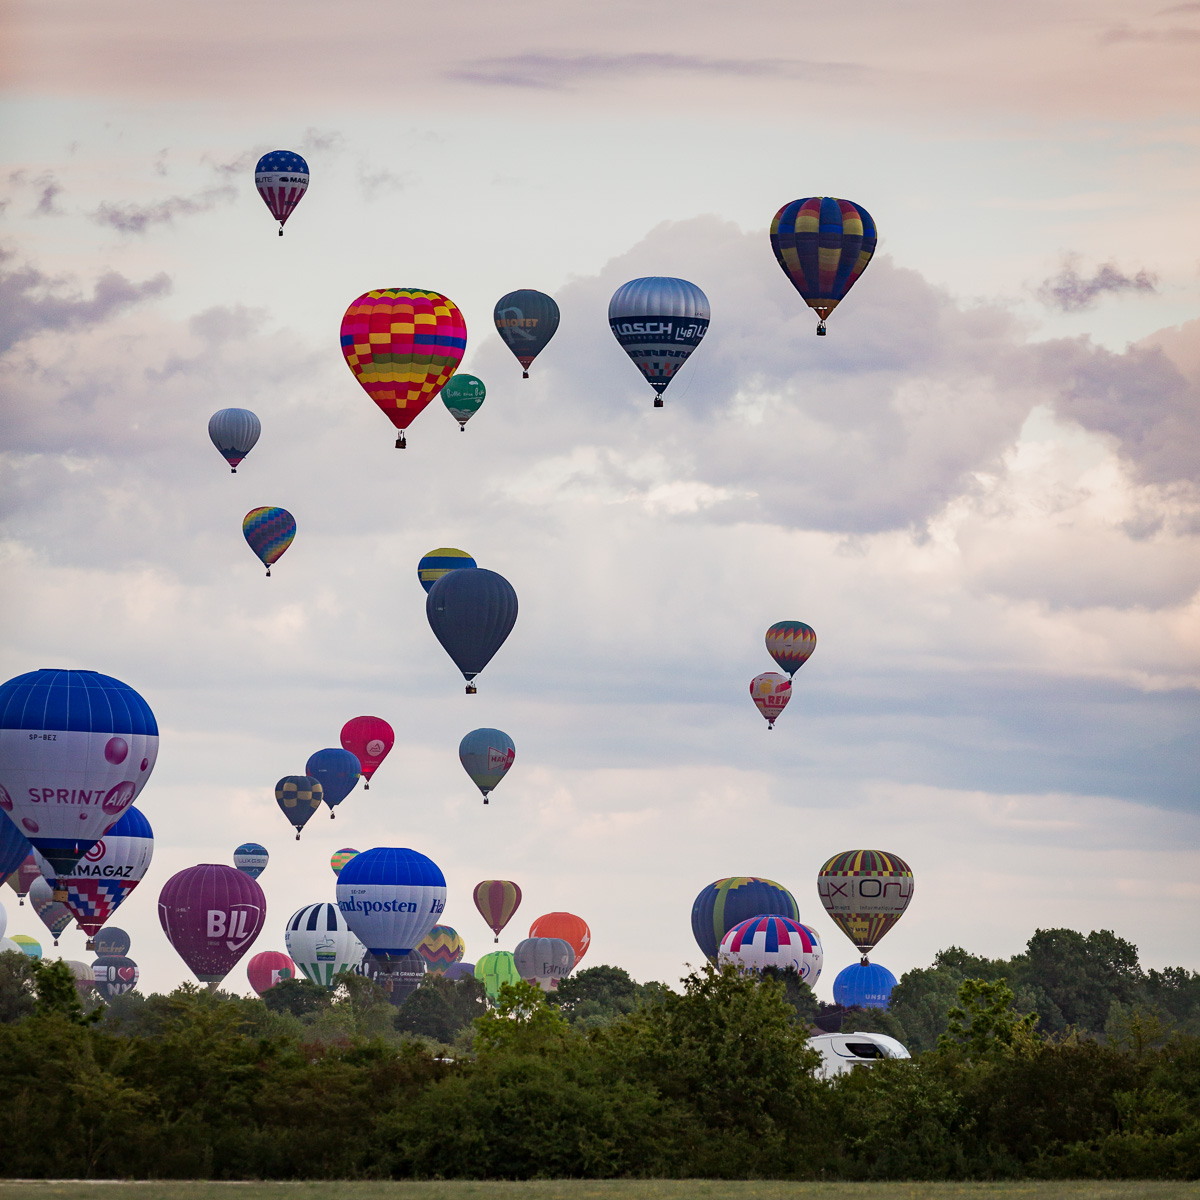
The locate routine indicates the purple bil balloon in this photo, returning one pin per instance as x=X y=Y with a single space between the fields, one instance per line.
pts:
x=211 y=914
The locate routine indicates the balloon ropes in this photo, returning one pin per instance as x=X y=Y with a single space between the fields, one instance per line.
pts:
x=471 y=613
x=463 y=395
x=770 y=692
x=403 y=344
x=234 y=432
x=823 y=245
x=282 y=179
x=658 y=322
x=370 y=740
x=497 y=900
x=337 y=771
x=298 y=797
x=251 y=858
x=728 y=902
x=486 y=755
x=866 y=893
x=790 y=644
x=269 y=531
x=526 y=320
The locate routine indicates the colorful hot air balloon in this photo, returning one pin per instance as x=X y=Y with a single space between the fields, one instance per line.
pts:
x=211 y=914
x=773 y=941
x=658 y=322
x=863 y=985
x=14 y=850
x=823 y=245
x=76 y=748
x=441 y=947
x=497 y=900
x=391 y=898
x=338 y=771
x=269 y=532
x=526 y=320
x=114 y=975
x=104 y=878
x=790 y=644
x=463 y=395
x=369 y=739
x=282 y=179
x=496 y=969
x=486 y=755
x=471 y=613
x=403 y=344
x=111 y=941
x=728 y=902
x=866 y=893
x=770 y=692
x=321 y=943
x=25 y=874
x=544 y=961
x=251 y=858
x=436 y=563
x=55 y=915
x=572 y=929
x=234 y=431
x=268 y=968
x=341 y=858
x=298 y=797
x=29 y=946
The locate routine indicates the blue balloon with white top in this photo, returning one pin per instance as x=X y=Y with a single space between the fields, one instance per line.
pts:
x=863 y=985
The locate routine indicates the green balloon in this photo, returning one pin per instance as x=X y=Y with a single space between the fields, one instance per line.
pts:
x=463 y=395
x=495 y=969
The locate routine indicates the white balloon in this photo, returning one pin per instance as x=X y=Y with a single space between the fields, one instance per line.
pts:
x=773 y=941
x=391 y=898
x=3 y=923
x=321 y=944
x=544 y=960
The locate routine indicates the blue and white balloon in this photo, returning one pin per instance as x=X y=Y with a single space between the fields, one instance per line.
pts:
x=863 y=985
x=773 y=941
x=251 y=859
x=321 y=944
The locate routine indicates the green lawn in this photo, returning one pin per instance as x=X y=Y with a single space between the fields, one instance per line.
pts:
x=678 y=1189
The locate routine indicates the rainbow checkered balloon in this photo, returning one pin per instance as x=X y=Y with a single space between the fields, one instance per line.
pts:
x=268 y=532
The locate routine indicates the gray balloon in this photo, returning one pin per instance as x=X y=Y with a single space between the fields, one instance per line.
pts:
x=544 y=961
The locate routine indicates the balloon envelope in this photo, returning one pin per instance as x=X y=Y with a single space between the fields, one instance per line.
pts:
x=112 y=941
x=14 y=850
x=341 y=857
x=398 y=977
x=369 y=739
x=76 y=748
x=114 y=975
x=441 y=947
x=770 y=692
x=268 y=968
x=22 y=878
x=727 y=902
x=471 y=613
x=486 y=755
x=863 y=985
x=572 y=929
x=497 y=900
x=544 y=961
x=234 y=431
x=526 y=320
x=338 y=772
x=211 y=914
x=658 y=321
x=30 y=947
x=496 y=969
x=52 y=913
x=321 y=943
x=298 y=797
x=773 y=941
x=436 y=563
x=790 y=644
x=866 y=893
x=462 y=396
x=251 y=858
x=269 y=532
x=459 y=970
x=282 y=179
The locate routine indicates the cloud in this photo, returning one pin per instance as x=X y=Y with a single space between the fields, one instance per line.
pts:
x=49 y=190
x=322 y=141
x=1070 y=292
x=376 y=182
x=138 y=218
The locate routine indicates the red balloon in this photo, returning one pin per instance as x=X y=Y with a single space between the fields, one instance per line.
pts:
x=210 y=914
x=267 y=969
x=369 y=739
x=22 y=879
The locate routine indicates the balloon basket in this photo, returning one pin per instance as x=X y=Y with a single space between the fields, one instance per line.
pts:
x=297 y=835
x=471 y=689
x=60 y=895
x=89 y=945
x=281 y=231
x=462 y=429
x=524 y=374
x=821 y=329
x=366 y=786
x=401 y=444
x=268 y=572
x=233 y=470
x=658 y=403
x=332 y=815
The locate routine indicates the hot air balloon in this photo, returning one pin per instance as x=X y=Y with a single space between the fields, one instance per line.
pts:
x=28 y=946
x=211 y=914
x=55 y=915
x=497 y=900
x=269 y=532
x=76 y=748
x=391 y=898
x=441 y=947
x=268 y=968
x=114 y=975
x=544 y=961
x=320 y=942
x=496 y=969
x=111 y=941
x=462 y=396
x=338 y=771
x=658 y=322
x=369 y=739
x=773 y=941
x=486 y=755
x=863 y=985
x=459 y=970
x=790 y=644
x=100 y=882
x=85 y=980
x=282 y=179
x=526 y=320
x=234 y=431
x=471 y=613
x=298 y=797
x=436 y=563
x=14 y=850
x=341 y=858
x=866 y=893
x=823 y=245
x=770 y=692
x=25 y=874
x=728 y=902
x=572 y=929
x=403 y=344
x=251 y=859
x=399 y=977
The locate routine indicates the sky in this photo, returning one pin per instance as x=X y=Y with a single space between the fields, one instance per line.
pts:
x=981 y=489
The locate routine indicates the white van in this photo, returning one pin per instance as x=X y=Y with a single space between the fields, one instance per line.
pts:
x=842 y=1051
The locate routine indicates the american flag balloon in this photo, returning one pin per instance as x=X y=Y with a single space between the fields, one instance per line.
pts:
x=282 y=179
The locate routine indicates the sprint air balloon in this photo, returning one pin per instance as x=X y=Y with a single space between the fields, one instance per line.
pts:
x=658 y=322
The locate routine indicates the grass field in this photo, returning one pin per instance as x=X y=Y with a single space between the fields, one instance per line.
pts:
x=676 y=1189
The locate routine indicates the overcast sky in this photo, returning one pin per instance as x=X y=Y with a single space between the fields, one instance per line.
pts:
x=981 y=489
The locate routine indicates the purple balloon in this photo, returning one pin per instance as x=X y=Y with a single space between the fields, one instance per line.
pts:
x=459 y=970
x=211 y=914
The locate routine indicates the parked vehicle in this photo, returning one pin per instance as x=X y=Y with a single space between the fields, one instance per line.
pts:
x=841 y=1052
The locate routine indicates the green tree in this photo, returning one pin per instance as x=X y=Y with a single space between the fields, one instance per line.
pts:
x=17 y=997
x=441 y=1008
x=984 y=1020
x=299 y=997
x=600 y=995
x=56 y=993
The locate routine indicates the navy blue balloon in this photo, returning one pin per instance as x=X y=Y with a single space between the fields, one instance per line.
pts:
x=338 y=770
x=14 y=847
x=471 y=613
x=863 y=985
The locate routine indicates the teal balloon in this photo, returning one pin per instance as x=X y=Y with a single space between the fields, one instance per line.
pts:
x=486 y=755
x=462 y=397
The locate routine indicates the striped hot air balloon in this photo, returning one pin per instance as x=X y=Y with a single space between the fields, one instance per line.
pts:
x=773 y=941
x=441 y=947
x=234 y=432
x=866 y=893
x=321 y=943
x=497 y=900
x=727 y=902
x=790 y=644
x=437 y=562
x=282 y=179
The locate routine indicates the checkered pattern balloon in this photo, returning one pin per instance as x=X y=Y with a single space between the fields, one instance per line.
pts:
x=268 y=532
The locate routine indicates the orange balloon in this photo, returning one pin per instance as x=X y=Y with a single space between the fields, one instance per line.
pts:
x=572 y=929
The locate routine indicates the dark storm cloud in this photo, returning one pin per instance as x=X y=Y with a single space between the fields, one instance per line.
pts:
x=137 y=218
x=1070 y=292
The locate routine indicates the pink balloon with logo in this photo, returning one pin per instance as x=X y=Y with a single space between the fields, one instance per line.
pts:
x=267 y=969
x=211 y=914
